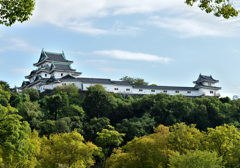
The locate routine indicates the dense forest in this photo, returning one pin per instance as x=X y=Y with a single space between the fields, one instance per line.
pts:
x=68 y=128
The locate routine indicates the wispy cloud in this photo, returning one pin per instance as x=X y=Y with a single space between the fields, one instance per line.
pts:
x=21 y=71
x=16 y=44
x=125 y=55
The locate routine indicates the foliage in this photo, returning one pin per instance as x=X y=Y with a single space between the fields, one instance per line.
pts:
x=219 y=8
x=225 y=140
x=30 y=112
x=196 y=159
x=134 y=81
x=136 y=126
x=93 y=126
x=72 y=91
x=15 y=10
x=14 y=142
x=107 y=140
x=66 y=149
x=98 y=102
x=33 y=93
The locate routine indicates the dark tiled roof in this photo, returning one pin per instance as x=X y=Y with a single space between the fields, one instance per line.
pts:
x=95 y=80
x=25 y=83
x=52 y=79
x=55 y=57
x=198 y=85
x=204 y=78
x=121 y=83
x=164 y=87
x=62 y=67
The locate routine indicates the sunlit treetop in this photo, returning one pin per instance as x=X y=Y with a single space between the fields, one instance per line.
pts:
x=219 y=8
x=15 y=10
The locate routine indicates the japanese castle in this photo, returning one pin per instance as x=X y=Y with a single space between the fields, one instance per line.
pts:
x=53 y=69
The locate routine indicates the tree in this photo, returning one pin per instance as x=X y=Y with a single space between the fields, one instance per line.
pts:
x=196 y=159
x=108 y=139
x=98 y=102
x=33 y=93
x=15 y=10
x=136 y=127
x=225 y=140
x=134 y=81
x=219 y=8
x=14 y=135
x=30 y=113
x=67 y=150
x=183 y=138
x=72 y=91
x=93 y=126
x=56 y=105
x=143 y=152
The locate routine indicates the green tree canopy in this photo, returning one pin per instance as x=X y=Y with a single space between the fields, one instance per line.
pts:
x=134 y=81
x=219 y=8
x=98 y=102
x=196 y=159
x=15 y=10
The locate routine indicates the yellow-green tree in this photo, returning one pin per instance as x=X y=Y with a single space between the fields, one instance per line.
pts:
x=225 y=140
x=183 y=138
x=66 y=149
x=15 y=145
x=145 y=152
x=107 y=140
x=196 y=159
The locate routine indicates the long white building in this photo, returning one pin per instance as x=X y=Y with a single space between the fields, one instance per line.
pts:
x=53 y=69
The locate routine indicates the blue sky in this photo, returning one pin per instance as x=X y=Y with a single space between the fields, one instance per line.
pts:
x=163 y=42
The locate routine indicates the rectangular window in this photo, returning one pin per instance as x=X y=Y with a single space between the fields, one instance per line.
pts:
x=188 y=91
x=64 y=84
x=152 y=90
x=176 y=91
x=45 y=75
x=127 y=89
x=61 y=74
x=211 y=92
x=140 y=90
x=165 y=91
x=115 y=88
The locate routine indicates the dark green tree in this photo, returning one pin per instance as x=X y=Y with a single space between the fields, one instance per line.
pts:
x=134 y=81
x=33 y=94
x=98 y=102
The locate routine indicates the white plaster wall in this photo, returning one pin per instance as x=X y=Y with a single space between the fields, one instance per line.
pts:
x=58 y=74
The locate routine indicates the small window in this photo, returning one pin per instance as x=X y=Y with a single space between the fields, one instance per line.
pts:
x=165 y=91
x=188 y=91
x=176 y=91
x=115 y=88
x=140 y=90
x=45 y=75
x=152 y=90
x=64 y=84
x=61 y=74
x=211 y=92
x=127 y=89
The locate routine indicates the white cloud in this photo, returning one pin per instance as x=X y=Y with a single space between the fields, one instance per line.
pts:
x=82 y=16
x=21 y=71
x=16 y=44
x=125 y=55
